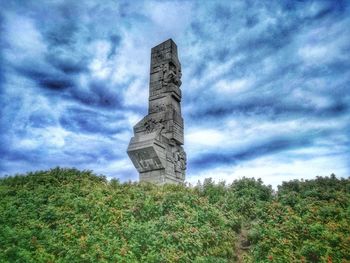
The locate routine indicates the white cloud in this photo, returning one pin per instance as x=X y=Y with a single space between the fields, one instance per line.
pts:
x=314 y=53
x=130 y=61
x=136 y=93
x=99 y=65
x=54 y=136
x=50 y=138
x=132 y=118
x=231 y=87
x=122 y=169
x=273 y=170
x=204 y=138
x=324 y=44
x=23 y=37
x=169 y=18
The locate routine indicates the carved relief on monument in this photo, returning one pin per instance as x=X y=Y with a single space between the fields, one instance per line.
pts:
x=171 y=75
x=180 y=160
x=159 y=56
x=147 y=161
x=152 y=125
x=157 y=108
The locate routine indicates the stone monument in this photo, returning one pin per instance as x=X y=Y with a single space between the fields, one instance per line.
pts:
x=156 y=148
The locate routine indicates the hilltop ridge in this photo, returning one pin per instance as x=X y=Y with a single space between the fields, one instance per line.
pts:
x=67 y=215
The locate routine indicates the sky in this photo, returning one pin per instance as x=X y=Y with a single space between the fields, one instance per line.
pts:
x=265 y=85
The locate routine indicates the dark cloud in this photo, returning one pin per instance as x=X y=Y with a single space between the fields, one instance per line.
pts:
x=258 y=149
x=251 y=20
x=87 y=121
x=115 y=41
x=321 y=8
x=221 y=12
x=96 y=92
x=105 y=153
x=40 y=119
x=66 y=64
x=105 y=94
x=1 y=52
x=67 y=56
x=28 y=157
x=46 y=78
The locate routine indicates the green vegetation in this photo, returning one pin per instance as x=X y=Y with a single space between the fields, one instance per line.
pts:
x=307 y=222
x=66 y=215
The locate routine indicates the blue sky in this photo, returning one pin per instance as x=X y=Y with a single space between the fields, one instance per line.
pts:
x=265 y=85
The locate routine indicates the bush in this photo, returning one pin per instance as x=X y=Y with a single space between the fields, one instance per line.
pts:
x=71 y=216
x=66 y=215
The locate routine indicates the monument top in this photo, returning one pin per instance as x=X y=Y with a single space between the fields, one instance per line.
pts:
x=166 y=44
x=164 y=55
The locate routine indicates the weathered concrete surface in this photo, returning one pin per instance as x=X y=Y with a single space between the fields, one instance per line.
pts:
x=156 y=148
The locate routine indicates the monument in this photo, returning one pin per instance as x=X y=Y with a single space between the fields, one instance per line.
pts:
x=156 y=148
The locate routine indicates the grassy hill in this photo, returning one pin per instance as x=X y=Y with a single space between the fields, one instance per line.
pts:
x=66 y=215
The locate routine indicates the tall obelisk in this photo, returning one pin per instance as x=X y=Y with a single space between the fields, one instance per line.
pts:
x=156 y=148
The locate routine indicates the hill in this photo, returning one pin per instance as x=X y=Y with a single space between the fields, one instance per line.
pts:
x=66 y=215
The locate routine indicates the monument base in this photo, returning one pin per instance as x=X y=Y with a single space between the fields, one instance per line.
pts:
x=159 y=177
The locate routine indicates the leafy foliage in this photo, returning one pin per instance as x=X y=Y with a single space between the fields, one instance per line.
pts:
x=309 y=221
x=66 y=215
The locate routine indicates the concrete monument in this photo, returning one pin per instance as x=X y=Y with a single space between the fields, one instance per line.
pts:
x=156 y=148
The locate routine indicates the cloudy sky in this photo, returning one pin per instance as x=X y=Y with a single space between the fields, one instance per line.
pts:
x=265 y=85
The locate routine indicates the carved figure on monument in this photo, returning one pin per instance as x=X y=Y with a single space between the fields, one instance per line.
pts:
x=150 y=125
x=183 y=160
x=156 y=148
x=180 y=160
x=171 y=75
x=157 y=108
